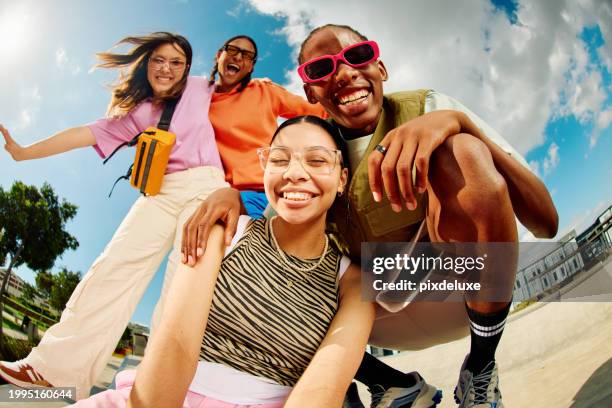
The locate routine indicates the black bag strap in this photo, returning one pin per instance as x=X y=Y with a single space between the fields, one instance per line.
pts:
x=129 y=143
x=166 y=117
x=126 y=176
x=163 y=124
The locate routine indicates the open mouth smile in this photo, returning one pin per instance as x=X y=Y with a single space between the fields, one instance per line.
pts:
x=296 y=199
x=232 y=69
x=297 y=196
x=164 y=79
x=353 y=98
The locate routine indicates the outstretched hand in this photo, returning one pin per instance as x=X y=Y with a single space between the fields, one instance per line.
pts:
x=409 y=146
x=223 y=205
x=14 y=149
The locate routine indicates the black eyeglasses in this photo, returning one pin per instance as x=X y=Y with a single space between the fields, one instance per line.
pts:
x=233 y=50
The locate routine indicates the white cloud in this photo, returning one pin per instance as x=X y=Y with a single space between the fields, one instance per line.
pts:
x=517 y=77
x=264 y=56
x=605 y=26
x=65 y=63
x=236 y=11
x=31 y=94
x=535 y=168
x=551 y=161
x=60 y=58
x=548 y=164
x=198 y=62
x=25 y=119
x=603 y=121
x=525 y=235
x=579 y=223
x=29 y=101
x=582 y=220
x=588 y=95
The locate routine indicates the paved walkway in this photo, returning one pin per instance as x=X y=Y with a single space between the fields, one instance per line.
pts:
x=551 y=355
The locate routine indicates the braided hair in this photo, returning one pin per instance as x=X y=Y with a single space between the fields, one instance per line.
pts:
x=215 y=69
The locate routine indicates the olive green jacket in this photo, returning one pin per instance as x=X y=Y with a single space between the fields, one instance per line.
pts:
x=355 y=217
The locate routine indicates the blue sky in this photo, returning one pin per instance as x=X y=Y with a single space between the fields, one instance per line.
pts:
x=539 y=73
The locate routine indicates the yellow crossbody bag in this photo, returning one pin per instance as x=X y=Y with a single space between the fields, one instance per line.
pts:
x=153 y=147
x=152 y=154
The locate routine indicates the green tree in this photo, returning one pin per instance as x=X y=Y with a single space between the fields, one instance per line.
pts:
x=33 y=222
x=44 y=283
x=28 y=293
x=63 y=285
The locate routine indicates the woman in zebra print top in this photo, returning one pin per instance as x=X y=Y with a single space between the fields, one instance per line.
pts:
x=278 y=314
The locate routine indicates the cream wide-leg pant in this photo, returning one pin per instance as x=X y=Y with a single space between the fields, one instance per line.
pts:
x=74 y=351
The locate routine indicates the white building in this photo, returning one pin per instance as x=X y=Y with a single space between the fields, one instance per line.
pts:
x=15 y=286
x=545 y=265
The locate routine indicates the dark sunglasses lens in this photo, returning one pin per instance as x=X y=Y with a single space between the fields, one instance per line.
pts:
x=360 y=55
x=232 y=50
x=318 y=69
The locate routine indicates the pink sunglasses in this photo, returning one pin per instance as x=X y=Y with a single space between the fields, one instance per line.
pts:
x=356 y=55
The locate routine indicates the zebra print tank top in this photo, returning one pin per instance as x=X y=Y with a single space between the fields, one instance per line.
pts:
x=261 y=324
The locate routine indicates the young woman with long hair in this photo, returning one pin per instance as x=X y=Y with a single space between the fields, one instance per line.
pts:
x=276 y=319
x=155 y=70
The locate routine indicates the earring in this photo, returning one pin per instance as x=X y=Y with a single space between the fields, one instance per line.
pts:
x=340 y=193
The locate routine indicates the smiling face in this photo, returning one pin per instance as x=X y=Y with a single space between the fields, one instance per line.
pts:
x=233 y=68
x=166 y=67
x=352 y=96
x=297 y=196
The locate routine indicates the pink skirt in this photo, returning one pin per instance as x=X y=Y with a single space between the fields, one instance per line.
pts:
x=125 y=380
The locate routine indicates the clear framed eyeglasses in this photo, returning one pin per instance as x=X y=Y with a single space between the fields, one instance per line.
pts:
x=314 y=160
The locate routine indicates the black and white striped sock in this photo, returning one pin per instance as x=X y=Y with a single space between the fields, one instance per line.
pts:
x=486 y=330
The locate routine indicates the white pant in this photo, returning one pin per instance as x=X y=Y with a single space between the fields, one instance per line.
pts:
x=74 y=351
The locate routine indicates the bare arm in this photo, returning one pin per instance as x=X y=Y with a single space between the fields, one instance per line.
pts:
x=60 y=142
x=530 y=198
x=412 y=144
x=171 y=359
x=325 y=381
x=223 y=205
x=290 y=105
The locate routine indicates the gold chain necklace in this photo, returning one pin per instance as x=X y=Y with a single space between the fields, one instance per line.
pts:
x=285 y=261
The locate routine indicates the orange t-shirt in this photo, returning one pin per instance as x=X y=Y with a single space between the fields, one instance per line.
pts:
x=246 y=120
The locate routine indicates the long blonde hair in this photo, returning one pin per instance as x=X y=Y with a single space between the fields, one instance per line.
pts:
x=132 y=86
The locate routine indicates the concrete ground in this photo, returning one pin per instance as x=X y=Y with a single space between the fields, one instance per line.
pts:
x=553 y=355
